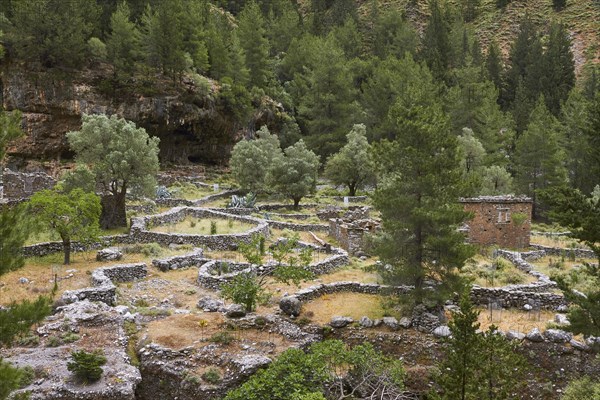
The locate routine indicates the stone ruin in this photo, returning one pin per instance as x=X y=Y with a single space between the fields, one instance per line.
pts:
x=350 y=229
x=19 y=185
x=503 y=221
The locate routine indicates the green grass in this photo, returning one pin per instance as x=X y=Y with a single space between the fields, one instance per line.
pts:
x=193 y=225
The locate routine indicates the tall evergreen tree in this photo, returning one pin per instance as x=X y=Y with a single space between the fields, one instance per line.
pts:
x=539 y=158
x=435 y=48
x=558 y=75
x=392 y=35
x=419 y=180
x=493 y=65
x=253 y=40
x=123 y=43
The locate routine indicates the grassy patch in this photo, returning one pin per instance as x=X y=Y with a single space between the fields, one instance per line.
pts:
x=515 y=320
x=193 y=225
x=354 y=305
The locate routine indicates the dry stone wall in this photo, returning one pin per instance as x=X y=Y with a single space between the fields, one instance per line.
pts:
x=18 y=185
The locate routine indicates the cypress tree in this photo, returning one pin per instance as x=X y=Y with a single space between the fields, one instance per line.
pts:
x=253 y=41
x=493 y=65
x=123 y=43
x=436 y=48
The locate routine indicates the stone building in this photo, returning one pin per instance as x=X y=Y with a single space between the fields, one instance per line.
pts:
x=503 y=221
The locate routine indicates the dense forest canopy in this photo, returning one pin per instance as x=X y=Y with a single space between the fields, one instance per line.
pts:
x=335 y=63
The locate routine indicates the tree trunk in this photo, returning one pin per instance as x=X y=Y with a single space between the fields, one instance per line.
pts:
x=113 y=211
x=352 y=189
x=67 y=251
x=296 y=202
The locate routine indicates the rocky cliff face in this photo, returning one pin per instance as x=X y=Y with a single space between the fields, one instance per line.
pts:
x=189 y=124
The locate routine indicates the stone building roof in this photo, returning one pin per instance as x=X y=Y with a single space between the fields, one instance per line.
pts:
x=497 y=199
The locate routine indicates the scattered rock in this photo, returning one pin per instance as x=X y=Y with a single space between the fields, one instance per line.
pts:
x=561 y=319
x=405 y=322
x=23 y=280
x=209 y=304
x=249 y=364
x=535 y=335
x=578 y=345
x=366 y=322
x=122 y=309
x=290 y=305
x=235 y=311
x=562 y=308
x=442 y=331
x=514 y=335
x=527 y=307
x=558 y=336
x=109 y=254
x=390 y=322
x=340 y=322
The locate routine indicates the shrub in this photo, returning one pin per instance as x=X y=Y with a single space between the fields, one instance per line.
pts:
x=53 y=341
x=70 y=337
x=30 y=340
x=87 y=367
x=213 y=227
x=222 y=337
x=212 y=375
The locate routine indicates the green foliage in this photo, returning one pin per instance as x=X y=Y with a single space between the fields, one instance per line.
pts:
x=121 y=157
x=73 y=215
x=295 y=174
x=435 y=48
x=419 y=179
x=14 y=230
x=53 y=32
x=10 y=378
x=81 y=177
x=243 y=289
x=495 y=181
x=352 y=165
x=254 y=251
x=251 y=159
x=539 y=158
x=17 y=318
x=581 y=214
x=212 y=376
x=97 y=49
x=478 y=365
x=298 y=375
x=123 y=43
x=10 y=129
x=222 y=337
x=582 y=389
x=253 y=40
x=86 y=366
x=213 y=227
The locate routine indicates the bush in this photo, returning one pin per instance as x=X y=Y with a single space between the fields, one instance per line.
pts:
x=70 y=337
x=222 y=337
x=212 y=375
x=87 y=366
x=213 y=227
x=53 y=341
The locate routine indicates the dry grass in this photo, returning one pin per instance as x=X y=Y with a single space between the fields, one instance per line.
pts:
x=556 y=241
x=515 y=320
x=479 y=271
x=180 y=331
x=193 y=225
x=41 y=271
x=354 y=305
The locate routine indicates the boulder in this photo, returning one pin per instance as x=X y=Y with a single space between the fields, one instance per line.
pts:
x=514 y=335
x=535 y=335
x=340 y=322
x=235 y=311
x=577 y=345
x=108 y=254
x=247 y=365
x=390 y=322
x=209 y=304
x=561 y=319
x=23 y=280
x=441 y=331
x=290 y=305
x=405 y=322
x=366 y=322
x=558 y=336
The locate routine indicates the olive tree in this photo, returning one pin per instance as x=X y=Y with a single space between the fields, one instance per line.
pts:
x=352 y=165
x=251 y=159
x=73 y=215
x=295 y=174
x=121 y=156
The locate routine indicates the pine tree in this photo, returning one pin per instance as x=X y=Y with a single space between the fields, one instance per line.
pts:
x=419 y=180
x=123 y=43
x=435 y=48
x=392 y=35
x=493 y=64
x=558 y=76
x=539 y=158
x=282 y=27
x=253 y=40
